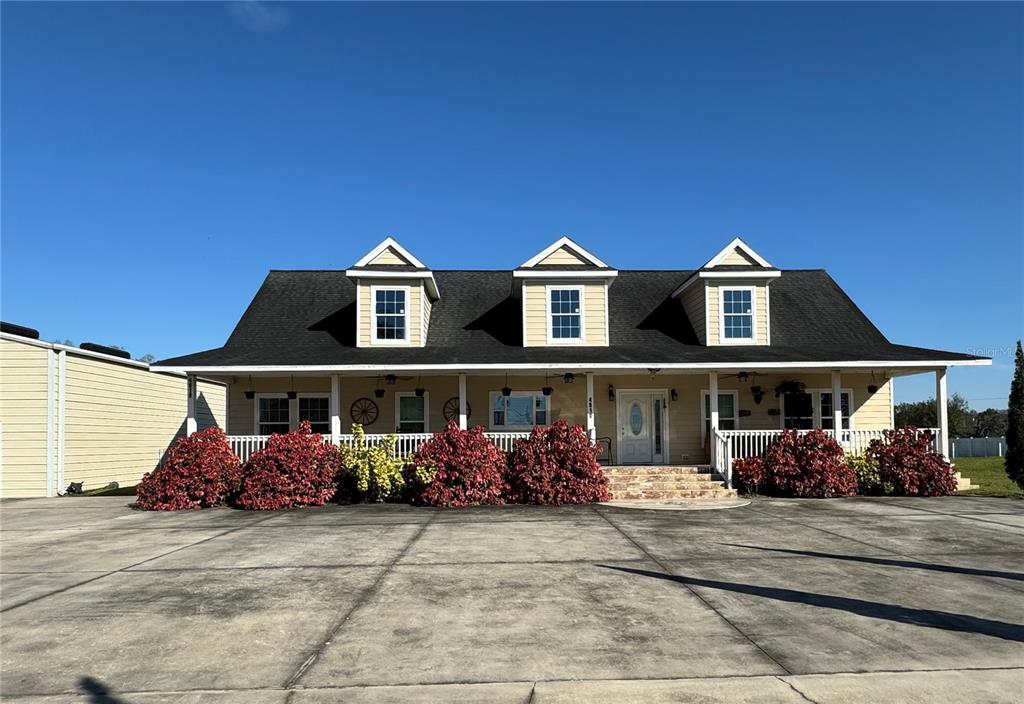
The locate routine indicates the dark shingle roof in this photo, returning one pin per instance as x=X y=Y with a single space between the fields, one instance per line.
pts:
x=309 y=317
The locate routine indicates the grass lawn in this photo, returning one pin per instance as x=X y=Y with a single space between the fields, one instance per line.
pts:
x=990 y=476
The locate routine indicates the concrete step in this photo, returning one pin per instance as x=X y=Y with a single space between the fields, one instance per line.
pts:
x=665 y=483
x=661 y=477
x=673 y=495
x=964 y=483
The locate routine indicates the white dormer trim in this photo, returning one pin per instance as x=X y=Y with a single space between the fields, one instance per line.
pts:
x=389 y=242
x=558 y=244
x=737 y=243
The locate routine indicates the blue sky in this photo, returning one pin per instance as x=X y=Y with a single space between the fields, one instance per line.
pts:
x=158 y=159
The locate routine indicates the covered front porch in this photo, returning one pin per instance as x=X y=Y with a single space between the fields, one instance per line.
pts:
x=654 y=416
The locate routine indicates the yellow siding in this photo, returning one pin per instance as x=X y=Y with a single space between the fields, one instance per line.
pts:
x=693 y=304
x=23 y=393
x=121 y=419
x=738 y=257
x=366 y=309
x=761 y=311
x=389 y=257
x=427 y=305
x=535 y=312
x=563 y=256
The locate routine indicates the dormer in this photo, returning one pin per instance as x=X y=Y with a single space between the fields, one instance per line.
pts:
x=564 y=291
x=727 y=299
x=394 y=295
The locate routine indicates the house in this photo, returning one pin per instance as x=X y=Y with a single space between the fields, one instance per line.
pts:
x=662 y=367
x=88 y=414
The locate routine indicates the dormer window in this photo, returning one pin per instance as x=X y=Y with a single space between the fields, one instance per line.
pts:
x=565 y=313
x=738 y=314
x=390 y=323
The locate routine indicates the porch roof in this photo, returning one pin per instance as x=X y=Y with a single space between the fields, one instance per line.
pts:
x=308 y=318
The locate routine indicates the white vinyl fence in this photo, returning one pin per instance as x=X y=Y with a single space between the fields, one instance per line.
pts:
x=977 y=447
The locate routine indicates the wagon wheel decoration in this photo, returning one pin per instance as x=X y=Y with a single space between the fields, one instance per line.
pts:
x=451 y=408
x=363 y=411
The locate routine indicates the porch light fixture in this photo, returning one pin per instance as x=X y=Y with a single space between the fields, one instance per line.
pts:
x=758 y=393
x=568 y=378
x=390 y=379
x=293 y=394
x=674 y=395
x=250 y=394
x=611 y=392
x=546 y=390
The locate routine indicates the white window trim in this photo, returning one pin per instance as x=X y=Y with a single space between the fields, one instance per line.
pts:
x=374 y=340
x=816 y=404
x=722 y=339
x=312 y=395
x=426 y=408
x=552 y=340
x=704 y=393
x=256 y=411
x=517 y=428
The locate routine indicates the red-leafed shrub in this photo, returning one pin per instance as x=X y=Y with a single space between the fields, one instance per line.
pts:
x=750 y=474
x=198 y=471
x=804 y=465
x=905 y=460
x=457 y=468
x=556 y=465
x=294 y=469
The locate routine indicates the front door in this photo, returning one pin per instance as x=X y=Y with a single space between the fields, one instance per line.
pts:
x=636 y=431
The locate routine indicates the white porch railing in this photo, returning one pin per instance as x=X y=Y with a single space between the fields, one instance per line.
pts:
x=406 y=443
x=753 y=443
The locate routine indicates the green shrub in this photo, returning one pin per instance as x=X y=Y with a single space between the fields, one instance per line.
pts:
x=370 y=474
x=869 y=479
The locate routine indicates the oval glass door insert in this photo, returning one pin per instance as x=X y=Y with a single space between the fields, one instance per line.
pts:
x=636 y=418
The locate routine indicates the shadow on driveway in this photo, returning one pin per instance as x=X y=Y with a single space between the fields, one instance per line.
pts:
x=912 y=564
x=890 y=612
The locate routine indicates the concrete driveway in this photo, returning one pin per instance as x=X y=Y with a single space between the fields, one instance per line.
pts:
x=857 y=600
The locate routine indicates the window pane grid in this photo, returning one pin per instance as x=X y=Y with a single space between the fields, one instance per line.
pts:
x=519 y=410
x=738 y=314
x=390 y=314
x=317 y=410
x=273 y=416
x=565 y=314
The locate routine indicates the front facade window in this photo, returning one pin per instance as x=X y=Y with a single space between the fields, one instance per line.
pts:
x=728 y=411
x=317 y=410
x=390 y=320
x=272 y=414
x=522 y=410
x=738 y=314
x=809 y=409
x=565 y=314
x=411 y=412
x=826 y=409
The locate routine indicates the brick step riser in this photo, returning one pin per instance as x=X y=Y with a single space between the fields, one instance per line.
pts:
x=673 y=495
x=666 y=487
x=705 y=477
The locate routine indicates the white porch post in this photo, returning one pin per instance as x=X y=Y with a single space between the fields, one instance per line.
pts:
x=190 y=417
x=335 y=408
x=591 y=426
x=463 y=415
x=941 y=412
x=837 y=407
x=713 y=403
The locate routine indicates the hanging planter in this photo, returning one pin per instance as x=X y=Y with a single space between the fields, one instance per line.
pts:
x=790 y=387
